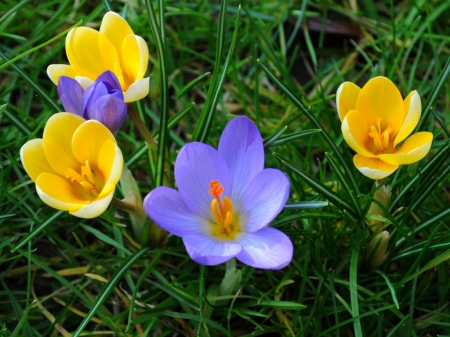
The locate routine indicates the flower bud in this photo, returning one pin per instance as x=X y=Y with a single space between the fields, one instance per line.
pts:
x=376 y=249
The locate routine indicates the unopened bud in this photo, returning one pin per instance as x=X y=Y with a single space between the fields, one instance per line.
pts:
x=376 y=249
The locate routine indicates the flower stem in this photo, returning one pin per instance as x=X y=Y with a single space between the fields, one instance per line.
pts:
x=140 y=125
x=231 y=264
x=123 y=205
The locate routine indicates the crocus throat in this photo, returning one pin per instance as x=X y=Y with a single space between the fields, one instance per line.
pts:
x=226 y=226
x=86 y=179
x=380 y=139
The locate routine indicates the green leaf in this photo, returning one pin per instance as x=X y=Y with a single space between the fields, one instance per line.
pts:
x=6 y=21
x=354 y=291
x=105 y=238
x=317 y=186
x=390 y=286
x=294 y=136
x=276 y=304
x=434 y=94
x=273 y=138
x=192 y=84
x=313 y=119
x=304 y=205
x=112 y=282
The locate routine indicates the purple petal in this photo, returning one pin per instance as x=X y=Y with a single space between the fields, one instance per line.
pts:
x=70 y=93
x=166 y=208
x=93 y=93
x=108 y=110
x=197 y=165
x=267 y=248
x=109 y=77
x=242 y=148
x=263 y=199
x=205 y=250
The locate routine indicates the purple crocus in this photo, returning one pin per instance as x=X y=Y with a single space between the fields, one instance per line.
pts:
x=102 y=101
x=225 y=200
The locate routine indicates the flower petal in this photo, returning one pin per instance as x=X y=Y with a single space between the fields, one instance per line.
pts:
x=94 y=209
x=196 y=166
x=90 y=53
x=109 y=77
x=135 y=64
x=267 y=248
x=108 y=110
x=346 y=96
x=58 y=193
x=356 y=132
x=137 y=90
x=110 y=165
x=166 y=208
x=33 y=158
x=373 y=168
x=413 y=149
x=381 y=98
x=413 y=110
x=115 y=28
x=55 y=71
x=242 y=148
x=84 y=81
x=263 y=199
x=57 y=140
x=208 y=251
x=88 y=140
x=70 y=93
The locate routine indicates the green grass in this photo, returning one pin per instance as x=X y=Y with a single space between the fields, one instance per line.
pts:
x=279 y=63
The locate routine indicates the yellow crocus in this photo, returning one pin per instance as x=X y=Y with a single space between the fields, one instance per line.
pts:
x=114 y=47
x=375 y=121
x=76 y=165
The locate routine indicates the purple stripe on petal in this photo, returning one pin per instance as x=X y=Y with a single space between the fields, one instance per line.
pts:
x=108 y=110
x=166 y=208
x=197 y=165
x=242 y=148
x=109 y=77
x=70 y=93
x=263 y=199
x=205 y=250
x=267 y=248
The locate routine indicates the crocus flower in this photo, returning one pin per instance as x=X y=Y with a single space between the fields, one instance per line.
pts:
x=102 y=101
x=225 y=200
x=114 y=47
x=76 y=165
x=375 y=121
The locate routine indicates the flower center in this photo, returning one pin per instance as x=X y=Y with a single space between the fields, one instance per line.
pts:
x=226 y=226
x=380 y=139
x=86 y=179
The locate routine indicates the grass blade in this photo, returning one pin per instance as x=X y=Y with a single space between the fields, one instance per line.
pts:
x=354 y=291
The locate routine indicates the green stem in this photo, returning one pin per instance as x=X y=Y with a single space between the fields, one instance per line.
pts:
x=140 y=125
x=231 y=265
x=123 y=205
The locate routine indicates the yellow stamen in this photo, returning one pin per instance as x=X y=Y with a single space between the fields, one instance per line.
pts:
x=222 y=211
x=85 y=179
x=380 y=139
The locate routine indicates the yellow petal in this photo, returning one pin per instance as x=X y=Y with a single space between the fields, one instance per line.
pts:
x=57 y=141
x=87 y=142
x=381 y=98
x=54 y=71
x=33 y=158
x=137 y=90
x=90 y=53
x=115 y=28
x=110 y=164
x=84 y=81
x=356 y=132
x=346 y=96
x=413 y=109
x=413 y=149
x=136 y=61
x=94 y=209
x=58 y=193
x=373 y=168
